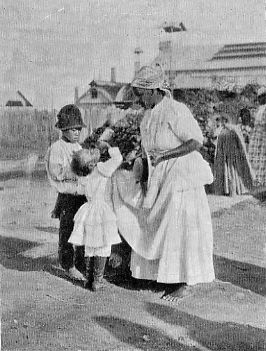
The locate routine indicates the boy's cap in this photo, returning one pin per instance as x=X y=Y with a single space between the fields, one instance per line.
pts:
x=69 y=117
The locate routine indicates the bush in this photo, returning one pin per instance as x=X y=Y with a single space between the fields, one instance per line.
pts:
x=126 y=135
x=203 y=105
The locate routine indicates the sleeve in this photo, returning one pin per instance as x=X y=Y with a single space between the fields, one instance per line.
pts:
x=107 y=168
x=81 y=186
x=183 y=124
x=56 y=172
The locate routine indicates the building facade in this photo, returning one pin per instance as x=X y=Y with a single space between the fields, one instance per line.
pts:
x=209 y=66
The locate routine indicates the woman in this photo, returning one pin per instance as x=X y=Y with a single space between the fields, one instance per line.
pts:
x=232 y=170
x=171 y=233
x=245 y=125
x=257 y=148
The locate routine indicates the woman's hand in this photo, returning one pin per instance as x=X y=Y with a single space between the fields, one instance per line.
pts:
x=156 y=157
x=102 y=145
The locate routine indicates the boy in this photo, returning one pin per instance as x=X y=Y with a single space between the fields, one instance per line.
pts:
x=58 y=160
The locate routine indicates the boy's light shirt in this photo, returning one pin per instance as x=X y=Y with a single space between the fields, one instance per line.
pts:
x=57 y=161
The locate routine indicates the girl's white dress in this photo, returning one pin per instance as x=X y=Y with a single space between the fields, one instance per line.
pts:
x=95 y=224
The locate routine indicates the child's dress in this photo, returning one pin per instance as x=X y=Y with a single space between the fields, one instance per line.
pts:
x=95 y=222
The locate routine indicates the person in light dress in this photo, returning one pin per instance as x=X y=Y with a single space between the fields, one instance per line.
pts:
x=95 y=223
x=168 y=226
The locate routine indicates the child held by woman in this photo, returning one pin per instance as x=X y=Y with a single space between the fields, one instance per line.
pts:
x=95 y=224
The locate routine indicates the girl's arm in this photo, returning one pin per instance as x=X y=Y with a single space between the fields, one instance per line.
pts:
x=81 y=186
x=108 y=167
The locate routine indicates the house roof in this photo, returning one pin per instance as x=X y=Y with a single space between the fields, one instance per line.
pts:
x=112 y=88
x=14 y=103
x=18 y=103
x=212 y=57
x=105 y=83
x=27 y=103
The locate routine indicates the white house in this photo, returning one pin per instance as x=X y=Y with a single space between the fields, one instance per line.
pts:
x=205 y=66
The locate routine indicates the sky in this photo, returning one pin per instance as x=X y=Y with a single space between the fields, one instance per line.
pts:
x=48 y=47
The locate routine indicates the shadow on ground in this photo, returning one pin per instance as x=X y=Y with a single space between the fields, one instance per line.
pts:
x=36 y=175
x=245 y=275
x=49 y=229
x=11 y=257
x=140 y=336
x=242 y=274
x=213 y=335
x=261 y=196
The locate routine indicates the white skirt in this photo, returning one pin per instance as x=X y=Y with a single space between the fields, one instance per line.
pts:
x=95 y=227
x=171 y=242
x=186 y=255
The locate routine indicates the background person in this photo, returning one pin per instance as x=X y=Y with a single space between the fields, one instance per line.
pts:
x=232 y=171
x=257 y=147
x=245 y=125
x=58 y=166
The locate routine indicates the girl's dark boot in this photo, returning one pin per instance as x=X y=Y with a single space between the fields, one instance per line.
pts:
x=89 y=262
x=98 y=272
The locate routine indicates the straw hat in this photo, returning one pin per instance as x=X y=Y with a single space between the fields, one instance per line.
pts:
x=262 y=91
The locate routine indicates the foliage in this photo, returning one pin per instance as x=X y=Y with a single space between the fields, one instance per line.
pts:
x=126 y=135
x=204 y=104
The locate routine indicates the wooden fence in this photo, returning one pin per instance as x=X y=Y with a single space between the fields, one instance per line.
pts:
x=24 y=131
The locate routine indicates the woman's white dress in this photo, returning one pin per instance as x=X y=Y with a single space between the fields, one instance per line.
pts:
x=95 y=223
x=171 y=233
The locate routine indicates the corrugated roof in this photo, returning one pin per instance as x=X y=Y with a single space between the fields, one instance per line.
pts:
x=213 y=57
x=246 y=50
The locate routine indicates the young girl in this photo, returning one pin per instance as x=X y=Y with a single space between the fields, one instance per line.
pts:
x=95 y=222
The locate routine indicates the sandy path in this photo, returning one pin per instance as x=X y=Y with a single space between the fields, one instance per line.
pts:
x=41 y=310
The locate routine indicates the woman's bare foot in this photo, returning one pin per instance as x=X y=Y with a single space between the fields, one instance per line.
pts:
x=176 y=292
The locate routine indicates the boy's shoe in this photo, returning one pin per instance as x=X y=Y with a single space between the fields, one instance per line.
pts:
x=75 y=274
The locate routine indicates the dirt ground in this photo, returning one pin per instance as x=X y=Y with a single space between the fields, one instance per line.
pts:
x=43 y=310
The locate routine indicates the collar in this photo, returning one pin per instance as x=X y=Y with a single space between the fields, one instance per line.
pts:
x=65 y=139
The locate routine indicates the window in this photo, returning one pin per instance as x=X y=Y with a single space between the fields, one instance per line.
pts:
x=94 y=93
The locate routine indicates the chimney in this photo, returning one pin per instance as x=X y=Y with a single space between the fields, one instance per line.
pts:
x=136 y=67
x=138 y=51
x=76 y=97
x=113 y=75
x=165 y=46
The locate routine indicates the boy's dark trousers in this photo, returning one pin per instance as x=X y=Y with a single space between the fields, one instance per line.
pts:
x=66 y=207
